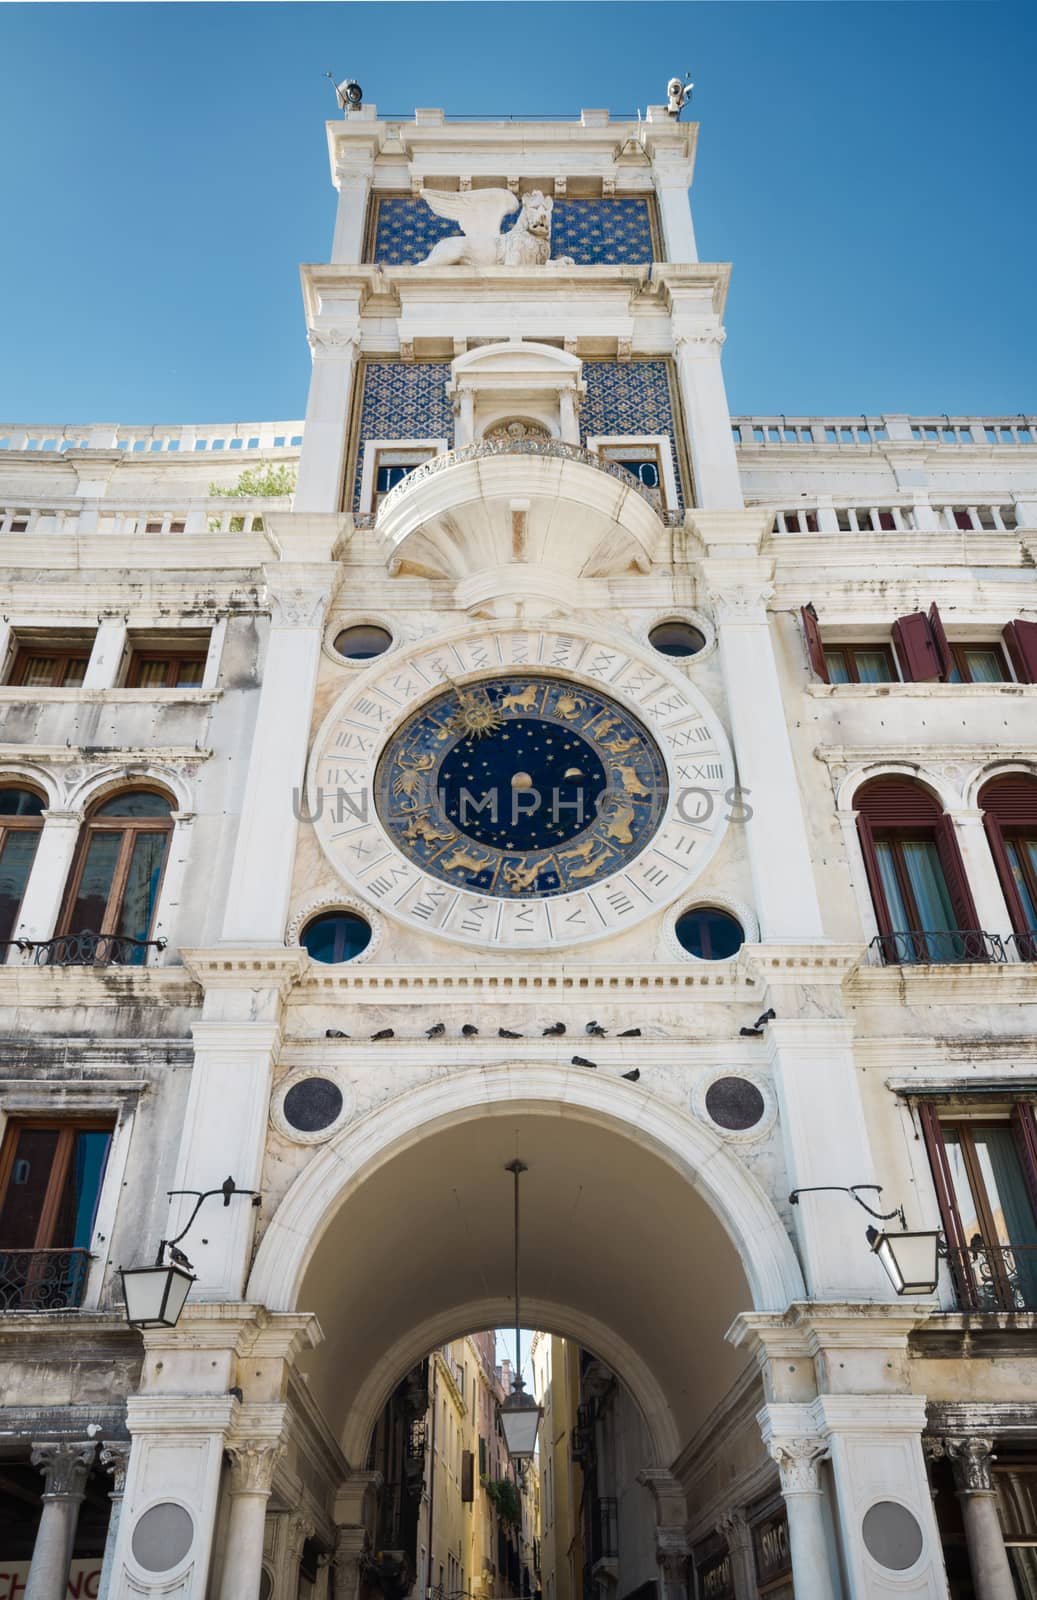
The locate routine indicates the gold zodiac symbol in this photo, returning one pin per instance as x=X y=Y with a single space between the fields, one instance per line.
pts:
x=409 y=776
x=522 y=875
x=464 y=861
x=604 y=728
x=568 y=706
x=424 y=828
x=582 y=852
x=617 y=826
x=619 y=747
x=590 y=866
x=632 y=784
x=520 y=699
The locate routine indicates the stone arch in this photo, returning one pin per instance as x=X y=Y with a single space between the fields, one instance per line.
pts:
x=737 y=1200
x=946 y=797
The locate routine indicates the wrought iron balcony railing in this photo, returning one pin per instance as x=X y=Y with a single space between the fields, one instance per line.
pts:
x=1024 y=945
x=43 y=1280
x=995 y=1277
x=935 y=947
x=89 y=949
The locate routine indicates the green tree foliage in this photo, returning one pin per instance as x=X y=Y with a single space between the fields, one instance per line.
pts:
x=505 y=1498
x=266 y=481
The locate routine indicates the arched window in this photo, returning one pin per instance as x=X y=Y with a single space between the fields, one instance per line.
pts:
x=21 y=821
x=918 y=886
x=116 y=874
x=1010 y=817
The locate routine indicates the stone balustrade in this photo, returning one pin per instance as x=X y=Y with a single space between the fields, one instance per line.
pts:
x=180 y=438
x=907 y=515
x=66 y=518
x=771 y=432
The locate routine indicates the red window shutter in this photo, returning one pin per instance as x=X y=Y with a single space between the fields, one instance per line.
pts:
x=871 y=867
x=1021 y=643
x=996 y=841
x=815 y=649
x=943 y=649
x=1024 y=1130
x=953 y=1229
x=954 y=871
x=897 y=803
x=916 y=648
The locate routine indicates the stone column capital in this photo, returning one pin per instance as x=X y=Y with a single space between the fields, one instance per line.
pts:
x=65 y=1466
x=734 y=1527
x=799 y=1461
x=297 y=604
x=740 y=602
x=253 y=1463
x=972 y=1460
x=115 y=1459
x=298 y=1529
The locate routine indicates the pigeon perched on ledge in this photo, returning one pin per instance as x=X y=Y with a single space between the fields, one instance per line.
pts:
x=555 y=1031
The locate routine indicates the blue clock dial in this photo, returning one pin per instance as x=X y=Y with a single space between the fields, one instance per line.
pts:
x=521 y=787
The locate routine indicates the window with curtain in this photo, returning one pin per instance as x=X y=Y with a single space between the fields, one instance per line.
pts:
x=985 y=1172
x=977 y=663
x=1009 y=804
x=21 y=822
x=166 y=669
x=50 y=1182
x=915 y=872
x=860 y=663
x=115 y=877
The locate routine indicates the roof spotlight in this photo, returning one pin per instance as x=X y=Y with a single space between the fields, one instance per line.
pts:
x=349 y=94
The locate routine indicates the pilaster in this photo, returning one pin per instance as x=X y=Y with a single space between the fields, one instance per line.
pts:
x=319 y=483
x=714 y=462
x=48 y=875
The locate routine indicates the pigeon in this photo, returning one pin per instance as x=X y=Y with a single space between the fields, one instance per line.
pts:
x=750 y=1033
x=469 y=1030
x=506 y=1033
x=555 y=1030
x=633 y=1076
x=384 y=1033
x=335 y=1033
x=178 y=1257
x=756 y=1031
x=630 y=1033
x=596 y=1030
x=765 y=1016
x=581 y=1061
x=436 y=1031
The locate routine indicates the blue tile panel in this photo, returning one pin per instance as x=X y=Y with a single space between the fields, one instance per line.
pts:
x=598 y=233
x=402 y=400
x=407 y=400
x=630 y=397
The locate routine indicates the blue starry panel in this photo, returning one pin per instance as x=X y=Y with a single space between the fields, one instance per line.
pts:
x=596 y=233
x=402 y=400
x=630 y=397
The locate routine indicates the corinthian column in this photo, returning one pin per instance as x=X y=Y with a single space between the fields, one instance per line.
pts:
x=972 y=1464
x=252 y=1467
x=115 y=1458
x=65 y=1468
x=799 y=1461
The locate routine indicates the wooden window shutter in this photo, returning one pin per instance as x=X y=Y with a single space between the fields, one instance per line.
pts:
x=919 y=659
x=467 y=1476
x=943 y=649
x=1009 y=887
x=1020 y=640
x=1024 y=1129
x=815 y=649
x=962 y=903
x=871 y=867
x=953 y=1228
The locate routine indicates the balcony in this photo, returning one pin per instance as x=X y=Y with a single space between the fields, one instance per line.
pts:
x=994 y=1277
x=43 y=1280
x=88 y=949
x=937 y=948
x=511 y=506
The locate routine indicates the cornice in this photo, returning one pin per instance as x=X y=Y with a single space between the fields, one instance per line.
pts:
x=235 y=968
x=56 y=988
x=965 y=983
x=102 y=552
x=526 y=979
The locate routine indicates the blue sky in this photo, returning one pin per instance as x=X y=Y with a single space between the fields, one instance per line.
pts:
x=867 y=167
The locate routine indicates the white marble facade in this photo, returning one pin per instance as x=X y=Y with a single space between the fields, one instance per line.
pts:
x=781 y=1383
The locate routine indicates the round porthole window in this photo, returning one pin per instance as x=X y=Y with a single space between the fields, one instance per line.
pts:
x=363 y=641
x=677 y=639
x=312 y=1104
x=892 y=1536
x=709 y=933
x=162 y=1537
x=336 y=936
x=735 y=1104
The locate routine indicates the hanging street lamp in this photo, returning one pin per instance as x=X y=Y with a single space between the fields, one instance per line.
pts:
x=519 y=1414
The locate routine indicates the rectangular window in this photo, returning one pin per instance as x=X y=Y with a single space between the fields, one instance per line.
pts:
x=50 y=669
x=977 y=663
x=860 y=663
x=50 y=1182
x=985 y=1171
x=167 y=663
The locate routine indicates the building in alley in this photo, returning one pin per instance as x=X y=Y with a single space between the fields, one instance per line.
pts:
x=519 y=759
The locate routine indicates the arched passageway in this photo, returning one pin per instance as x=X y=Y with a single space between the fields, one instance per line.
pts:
x=642 y=1239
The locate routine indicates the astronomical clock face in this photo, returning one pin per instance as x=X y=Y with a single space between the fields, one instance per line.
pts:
x=520 y=787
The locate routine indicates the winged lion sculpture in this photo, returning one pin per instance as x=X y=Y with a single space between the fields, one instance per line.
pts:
x=479 y=214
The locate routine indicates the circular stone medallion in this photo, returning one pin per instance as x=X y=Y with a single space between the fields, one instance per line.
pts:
x=517 y=787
